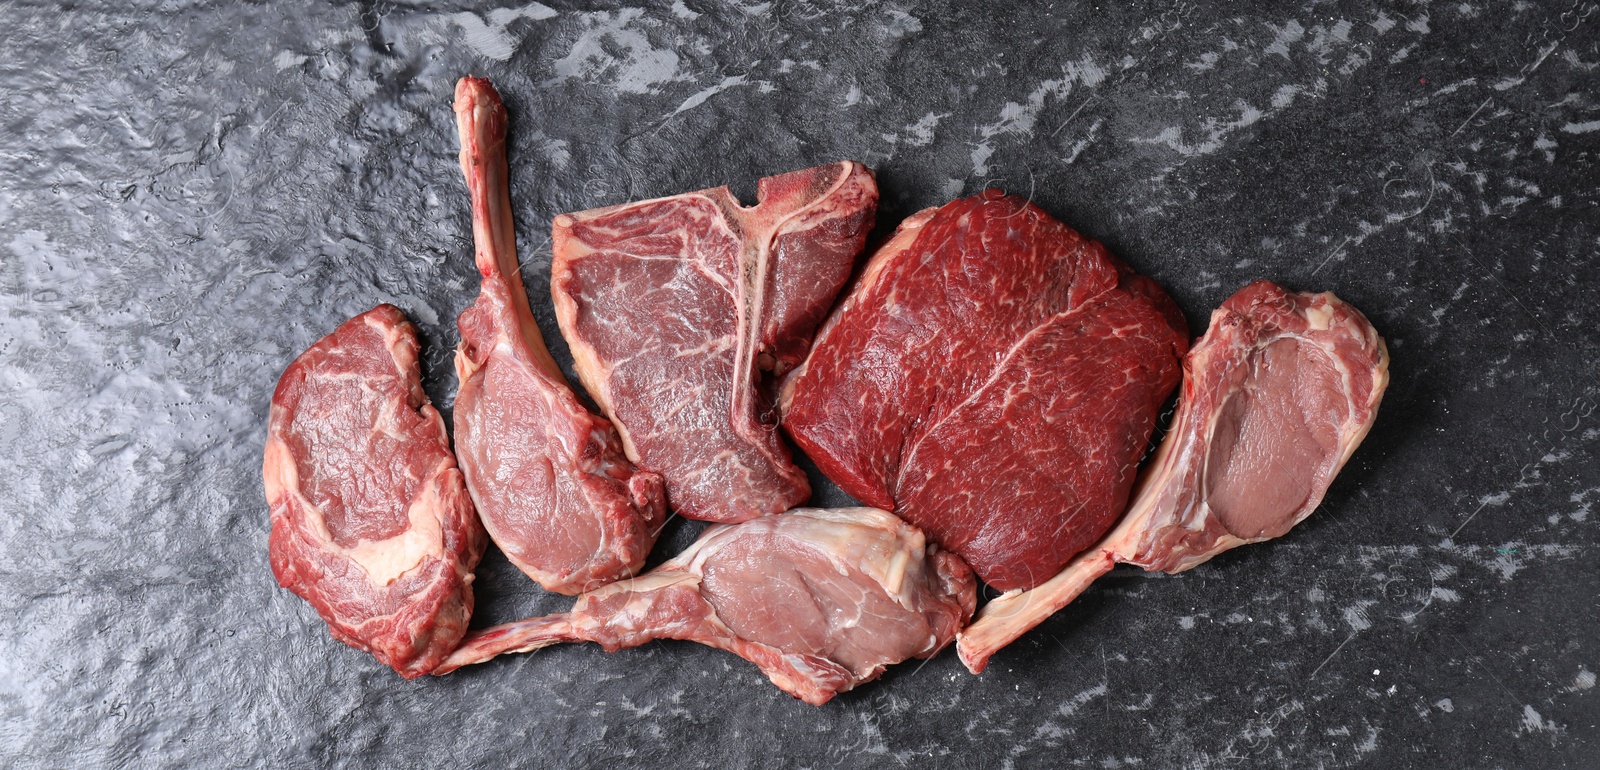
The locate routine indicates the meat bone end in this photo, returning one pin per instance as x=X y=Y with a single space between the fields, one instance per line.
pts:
x=1276 y=397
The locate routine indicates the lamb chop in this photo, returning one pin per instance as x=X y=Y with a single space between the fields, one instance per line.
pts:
x=820 y=600
x=1276 y=397
x=371 y=522
x=548 y=476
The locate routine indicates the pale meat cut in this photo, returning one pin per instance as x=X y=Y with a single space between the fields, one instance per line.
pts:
x=549 y=477
x=371 y=523
x=820 y=600
x=682 y=311
x=994 y=378
x=1276 y=397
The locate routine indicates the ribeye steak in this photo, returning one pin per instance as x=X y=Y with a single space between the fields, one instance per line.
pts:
x=994 y=378
x=371 y=522
x=1276 y=397
x=680 y=312
x=549 y=477
x=820 y=600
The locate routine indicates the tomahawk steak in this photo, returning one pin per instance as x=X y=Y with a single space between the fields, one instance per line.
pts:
x=1276 y=397
x=820 y=600
x=681 y=311
x=549 y=477
x=371 y=523
x=994 y=378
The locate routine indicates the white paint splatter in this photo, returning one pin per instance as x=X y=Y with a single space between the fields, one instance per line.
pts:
x=1291 y=32
x=489 y=37
x=980 y=158
x=1505 y=563
x=1583 y=681
x=1586 y=127
x=1356 y=615
x=639 y=69
x=1547 y=146
x=286 y=59
x=902 y=24
x=554 y=149
x=1584 y=504
x=1207 y=61
x=920 y=133
x=1369 y=744
x=1077 y=701
x=1325 y=39
x=1088 y=139
x=1019 y=118
x=1216 y=132
x=700 y=97
x=1533 y=722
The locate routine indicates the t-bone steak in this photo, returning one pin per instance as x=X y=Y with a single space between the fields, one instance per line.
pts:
x=371 y=522
x=820 y=600
x=1276 y=397
x=549 y=477
x=993 y=378
x=682 y=311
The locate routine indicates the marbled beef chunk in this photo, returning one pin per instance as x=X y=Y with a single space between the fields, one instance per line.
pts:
x=993 y=378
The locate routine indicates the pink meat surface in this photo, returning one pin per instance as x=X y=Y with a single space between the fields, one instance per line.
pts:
x=681 y=311
x=549 y=477
x=820 y=600
x=994 y=378
x=371 y=522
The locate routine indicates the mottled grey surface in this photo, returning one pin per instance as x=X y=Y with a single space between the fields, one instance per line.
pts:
x=190 y=196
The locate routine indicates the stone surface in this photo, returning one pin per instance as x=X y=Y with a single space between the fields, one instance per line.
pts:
x=191 y=195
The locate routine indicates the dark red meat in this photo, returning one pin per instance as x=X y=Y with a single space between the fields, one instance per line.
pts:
x=994 y=378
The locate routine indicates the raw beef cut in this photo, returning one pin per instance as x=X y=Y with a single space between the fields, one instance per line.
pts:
x=680 y=312
x=1276 y=396
x=370 y=520
x=549 y=477
x=994 y=378
x=820 y=600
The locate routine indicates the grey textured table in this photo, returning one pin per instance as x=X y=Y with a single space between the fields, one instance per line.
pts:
x=190 y=195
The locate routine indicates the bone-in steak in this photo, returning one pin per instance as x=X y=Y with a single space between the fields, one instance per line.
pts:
x=680 y=311
x=820 y=600
x=994 y=378
x=371 y=522
x=549 y=477
x=1276 y=397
